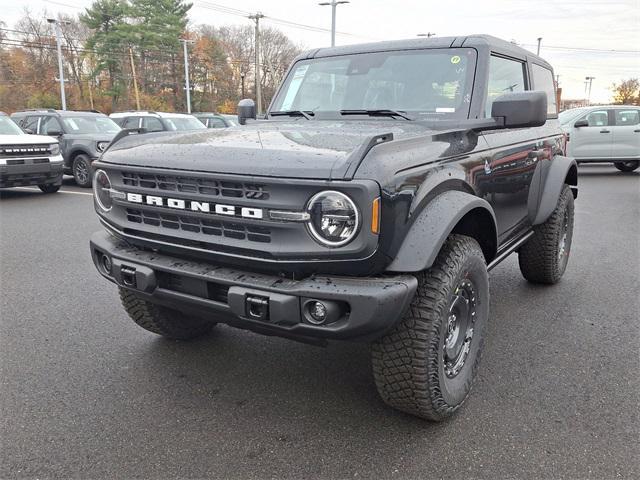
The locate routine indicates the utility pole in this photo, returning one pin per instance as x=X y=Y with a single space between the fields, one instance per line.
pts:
x=590 y=80
x=256 y=18
x=135 y=80
x=60 y=69
x=186 y=72
x=539 y=42
x=334 y=4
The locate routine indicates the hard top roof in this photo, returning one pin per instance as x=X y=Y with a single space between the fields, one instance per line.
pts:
x=62 y=113
x=141 y=113
x=472 y=41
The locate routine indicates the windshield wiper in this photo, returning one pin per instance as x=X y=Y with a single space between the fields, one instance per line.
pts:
x=377 y=113
x=293 y=113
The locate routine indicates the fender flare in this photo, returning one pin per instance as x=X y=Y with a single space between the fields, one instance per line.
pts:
x=433 y=225
x=558 y=173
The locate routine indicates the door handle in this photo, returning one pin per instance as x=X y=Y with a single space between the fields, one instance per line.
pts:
x=605 y=131
x=637 y=131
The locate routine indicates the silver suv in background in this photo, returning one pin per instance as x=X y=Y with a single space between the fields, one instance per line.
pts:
x=157 y=121
x=83 y=136
x=28 y=160
x=604 y=134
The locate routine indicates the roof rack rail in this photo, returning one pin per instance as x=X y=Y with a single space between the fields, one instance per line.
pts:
x=50 y=110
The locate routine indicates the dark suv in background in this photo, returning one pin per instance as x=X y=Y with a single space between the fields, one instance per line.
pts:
x=83 y=136
x=215 y=120
x=157 y=121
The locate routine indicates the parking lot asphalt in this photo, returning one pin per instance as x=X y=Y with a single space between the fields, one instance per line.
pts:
x=86 y=393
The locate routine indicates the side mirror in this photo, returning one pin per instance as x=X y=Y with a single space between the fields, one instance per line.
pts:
x=54 y=133
x=246 y=109
x=521 y=109
x=29 y=131
x=581 y=123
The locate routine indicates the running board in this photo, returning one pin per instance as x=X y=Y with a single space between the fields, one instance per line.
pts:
x=510 y=249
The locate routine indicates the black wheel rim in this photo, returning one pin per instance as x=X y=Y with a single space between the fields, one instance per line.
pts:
x=82 y=172
x=459 y=327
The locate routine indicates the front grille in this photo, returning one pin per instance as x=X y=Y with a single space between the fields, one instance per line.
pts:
x=205 y=186
x=188 y=223
x=24 y=150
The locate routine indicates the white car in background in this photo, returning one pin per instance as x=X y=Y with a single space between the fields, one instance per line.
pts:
x=604 y=134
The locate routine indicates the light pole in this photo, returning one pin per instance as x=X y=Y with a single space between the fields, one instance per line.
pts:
x=56 y=24
x=539 y=42
x=256 y=18
x=590 y=80
x=334 y=4
x=242 y=75
x=186 y=72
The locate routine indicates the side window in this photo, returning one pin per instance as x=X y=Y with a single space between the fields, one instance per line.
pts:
x=31 y=123
x=215 y=123
x=599 y=118
x=49 y=123
x=543 y=80
x=131 y=122
x=505 y=76
x=152 y=124
x=627 y=117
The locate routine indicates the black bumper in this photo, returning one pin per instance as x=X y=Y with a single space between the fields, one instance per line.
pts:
x=30 y=174
x=358 y=308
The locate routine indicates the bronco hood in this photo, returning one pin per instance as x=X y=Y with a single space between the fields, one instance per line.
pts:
x=300 y=149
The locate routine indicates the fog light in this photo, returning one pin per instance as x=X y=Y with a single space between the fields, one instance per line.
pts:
x=318 y=312
x=106 y=264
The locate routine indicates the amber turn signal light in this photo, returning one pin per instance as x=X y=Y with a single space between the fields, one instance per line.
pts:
x=375 y=216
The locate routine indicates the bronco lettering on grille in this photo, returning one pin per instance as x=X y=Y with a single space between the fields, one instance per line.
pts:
x=194 y=206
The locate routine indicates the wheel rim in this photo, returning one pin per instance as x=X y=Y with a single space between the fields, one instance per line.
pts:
x=460 y=322
x=82 y=172
x=564 y=233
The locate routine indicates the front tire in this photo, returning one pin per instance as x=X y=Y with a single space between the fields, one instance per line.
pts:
x=81 y=170
x=629 y=166
x=162 y=320
x=426 y=364
x=543 y=259
x=49 y=188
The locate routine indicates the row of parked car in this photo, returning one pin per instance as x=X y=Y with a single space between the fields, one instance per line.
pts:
x=67 y=142
x=38 y=146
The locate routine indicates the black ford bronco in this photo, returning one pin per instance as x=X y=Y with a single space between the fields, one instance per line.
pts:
x=383 y=184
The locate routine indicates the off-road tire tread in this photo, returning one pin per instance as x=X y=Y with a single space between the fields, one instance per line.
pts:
x=405 y=360
x=161 y=320
x=538 y=257
x=48 y=188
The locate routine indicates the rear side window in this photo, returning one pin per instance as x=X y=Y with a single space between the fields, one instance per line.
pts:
x=216 y=123
x=627 y=117
x=131 y=122
x=543 y=80
x=152 y=124
x=505 y=76
x=599 y=118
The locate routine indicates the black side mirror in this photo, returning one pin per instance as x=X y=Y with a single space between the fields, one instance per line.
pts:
x=246 y=109
x=54 y=133
x=521 y=109
x=581 y=123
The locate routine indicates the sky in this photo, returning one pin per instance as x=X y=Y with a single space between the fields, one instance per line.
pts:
x=580 y=38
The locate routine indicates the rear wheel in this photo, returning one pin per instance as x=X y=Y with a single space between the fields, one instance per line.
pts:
x=82 y=170
x=49 y=188
x=426 y=364
x=162 y=320
x=543 y=259
x=629 y=166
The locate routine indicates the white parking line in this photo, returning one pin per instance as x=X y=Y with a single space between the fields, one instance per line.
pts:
x=59 y=191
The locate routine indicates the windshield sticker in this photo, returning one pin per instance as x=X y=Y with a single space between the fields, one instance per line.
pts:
x=294 y=86
x=455 y=59
x=445 y=110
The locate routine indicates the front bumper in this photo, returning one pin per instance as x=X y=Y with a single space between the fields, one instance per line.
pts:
x=31 y=173
x=359 y=308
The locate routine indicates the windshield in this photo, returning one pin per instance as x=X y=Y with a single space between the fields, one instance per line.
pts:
x=89 y=124
x=423 y=83
x=569 y=115
x=184 y=123
x=7 y=127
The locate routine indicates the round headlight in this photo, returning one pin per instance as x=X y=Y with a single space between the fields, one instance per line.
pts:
x=54 y=149
x=102 y=146
x=333 y=218
x=102 y=190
